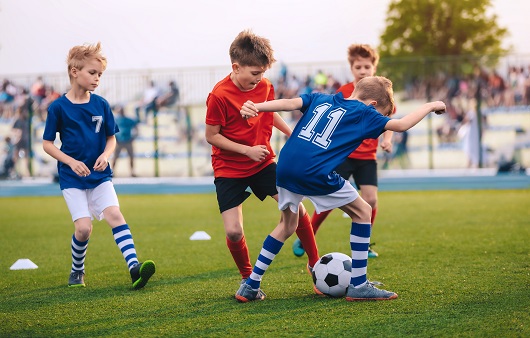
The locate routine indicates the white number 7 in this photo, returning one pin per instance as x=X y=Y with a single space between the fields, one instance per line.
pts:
x=99 y=120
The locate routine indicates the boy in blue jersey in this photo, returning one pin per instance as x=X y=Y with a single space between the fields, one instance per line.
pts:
x=331 y=128
x=87 y=131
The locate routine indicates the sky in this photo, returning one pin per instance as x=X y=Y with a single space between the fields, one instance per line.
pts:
x=35 y=35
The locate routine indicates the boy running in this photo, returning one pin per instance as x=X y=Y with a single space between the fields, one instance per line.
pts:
x=242 y=156
x=87 y=131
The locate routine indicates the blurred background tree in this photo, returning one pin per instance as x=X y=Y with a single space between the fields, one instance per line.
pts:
x=426 y=37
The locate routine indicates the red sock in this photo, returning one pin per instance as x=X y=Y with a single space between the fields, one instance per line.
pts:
x=317 y=219
x=374 y=212
x=239 y=251
x=304 y=231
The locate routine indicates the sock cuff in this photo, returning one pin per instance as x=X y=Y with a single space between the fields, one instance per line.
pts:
x=120 y=228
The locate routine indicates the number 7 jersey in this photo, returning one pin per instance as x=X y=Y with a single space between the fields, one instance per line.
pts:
x=83 y=130
x=330 y=128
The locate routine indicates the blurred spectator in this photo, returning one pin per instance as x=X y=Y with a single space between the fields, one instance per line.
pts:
x=469 y=135
x=332 y=85
x=149 y=101
x=7 y=96
x=400 y=151
x=38 y=90
x=497 y=87
x=51 y=95
x=320 y=81
x=125 y=137
x=9 y=162
x=169 y=98
x=21 y=133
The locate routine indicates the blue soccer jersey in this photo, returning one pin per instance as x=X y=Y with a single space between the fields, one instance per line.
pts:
x=330 y=128
x=83 y=130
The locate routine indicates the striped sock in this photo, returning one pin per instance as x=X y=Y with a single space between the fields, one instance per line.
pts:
x=78 y=254
x=359 y=242
x=271 y=247
x=123 y=237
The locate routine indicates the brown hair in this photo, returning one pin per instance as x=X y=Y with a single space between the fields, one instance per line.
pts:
x=377 y=88
x=248 y=49
x=356 y=51
x=78 y=55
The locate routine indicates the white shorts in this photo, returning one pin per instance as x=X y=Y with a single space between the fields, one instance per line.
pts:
x=90 y=202
x=288 y=199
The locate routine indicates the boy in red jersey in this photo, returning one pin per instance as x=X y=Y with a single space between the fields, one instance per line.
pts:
x=361 y=164
x=242 y=156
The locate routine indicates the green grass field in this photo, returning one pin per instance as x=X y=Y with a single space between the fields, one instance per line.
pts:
x=459 y=260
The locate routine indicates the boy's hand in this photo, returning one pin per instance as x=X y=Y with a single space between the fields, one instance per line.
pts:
x=101 y=163
x=79 y=168
x=439 y=107
x=386 y=146
x=249 y=110
x=257 y=153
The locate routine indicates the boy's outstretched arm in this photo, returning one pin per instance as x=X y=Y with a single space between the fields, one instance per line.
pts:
x=410 y=120
x=251 y=109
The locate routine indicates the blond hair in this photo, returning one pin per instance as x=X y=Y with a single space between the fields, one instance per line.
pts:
x=78 y=56
x=249 y=49
x=364 y=51
x=379 y=89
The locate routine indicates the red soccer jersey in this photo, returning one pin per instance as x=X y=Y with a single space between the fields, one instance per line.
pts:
x=367 y=150
x=223 y=107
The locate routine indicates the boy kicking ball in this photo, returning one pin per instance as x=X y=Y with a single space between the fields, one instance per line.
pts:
x=330 y=128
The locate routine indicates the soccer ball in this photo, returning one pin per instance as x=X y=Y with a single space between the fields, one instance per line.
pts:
x=332 y=273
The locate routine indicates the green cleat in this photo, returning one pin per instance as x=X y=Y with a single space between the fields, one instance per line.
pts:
x=141 y=273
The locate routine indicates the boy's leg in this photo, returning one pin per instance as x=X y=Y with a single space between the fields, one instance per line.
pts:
x=316 y=221
x=235 y=239
x=140 y=272
x=360 y=288
x=105 y=205
x=307 y=238
x=77 y=273
x=77 y=202
x=241 y=256
x=231 y=193
x=250 y=290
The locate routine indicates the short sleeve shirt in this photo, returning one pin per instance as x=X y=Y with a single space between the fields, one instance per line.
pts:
x=83 y=130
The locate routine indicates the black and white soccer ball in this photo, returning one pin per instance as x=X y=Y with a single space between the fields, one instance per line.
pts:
x=332 y=273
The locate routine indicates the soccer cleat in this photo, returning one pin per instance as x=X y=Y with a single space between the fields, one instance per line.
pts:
x=77 y=279
x=310 y=271
x=141 y=273
x=247 y=294
x=368 y=292
x=298 y=249
x=243 y=281
x=371 y=252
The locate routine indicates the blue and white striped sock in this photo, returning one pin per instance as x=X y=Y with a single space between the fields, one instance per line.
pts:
x=78 y=254
x=359 y=242
x=271 y=247
x=123 y=237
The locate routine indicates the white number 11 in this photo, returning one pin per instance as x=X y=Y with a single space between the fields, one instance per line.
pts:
x=322 y=139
